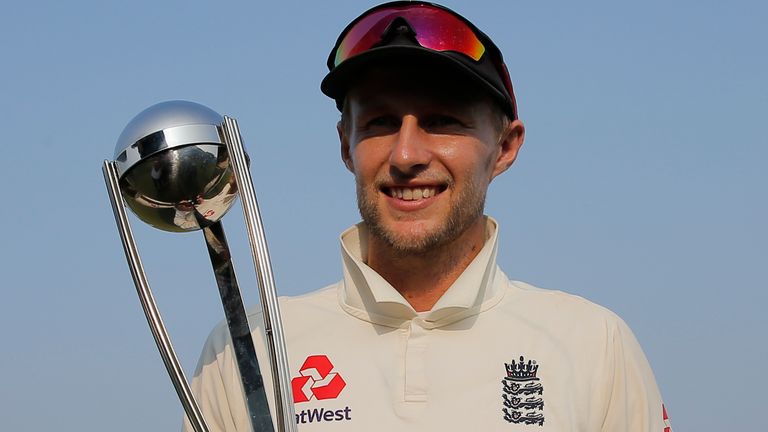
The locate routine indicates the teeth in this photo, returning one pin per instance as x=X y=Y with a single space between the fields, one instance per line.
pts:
x=412 y=194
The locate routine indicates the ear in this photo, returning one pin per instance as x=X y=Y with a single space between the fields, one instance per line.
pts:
x=346 y=157
x=510 y=142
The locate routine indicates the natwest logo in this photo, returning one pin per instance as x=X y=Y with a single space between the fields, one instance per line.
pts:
x=317 y=380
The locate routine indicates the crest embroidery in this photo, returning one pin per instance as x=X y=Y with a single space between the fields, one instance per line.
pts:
x=522 y=393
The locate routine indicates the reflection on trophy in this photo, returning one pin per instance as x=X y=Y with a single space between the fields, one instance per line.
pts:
x=179 y=166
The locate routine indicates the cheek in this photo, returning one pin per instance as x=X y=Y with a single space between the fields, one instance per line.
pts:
x=469 y=159
x=366 y=163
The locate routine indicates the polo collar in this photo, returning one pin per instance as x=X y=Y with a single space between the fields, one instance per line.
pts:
x=368 y=296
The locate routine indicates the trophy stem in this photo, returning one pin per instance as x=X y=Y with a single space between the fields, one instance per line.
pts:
x=148 y=304
x=278 y=353
x=237 y=321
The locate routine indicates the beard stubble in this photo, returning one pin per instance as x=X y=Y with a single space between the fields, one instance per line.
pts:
x=467 y=206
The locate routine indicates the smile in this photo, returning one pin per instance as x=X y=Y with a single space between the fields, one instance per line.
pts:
x=413 y=193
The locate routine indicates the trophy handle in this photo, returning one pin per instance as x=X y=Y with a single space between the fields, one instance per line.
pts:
x=148 y=304
x=239 y=330
x=275 y=337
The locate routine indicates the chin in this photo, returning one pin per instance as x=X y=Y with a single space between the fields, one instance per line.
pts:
x=415 y=237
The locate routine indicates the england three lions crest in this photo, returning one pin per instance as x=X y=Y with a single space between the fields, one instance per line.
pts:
x=522 y=393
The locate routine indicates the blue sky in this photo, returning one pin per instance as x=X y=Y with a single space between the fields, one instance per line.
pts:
x=641 y=186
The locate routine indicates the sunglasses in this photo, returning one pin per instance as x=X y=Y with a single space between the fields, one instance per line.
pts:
x=435 y=28
x=432 y=27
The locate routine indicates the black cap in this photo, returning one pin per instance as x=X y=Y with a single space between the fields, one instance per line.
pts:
x=398 y=44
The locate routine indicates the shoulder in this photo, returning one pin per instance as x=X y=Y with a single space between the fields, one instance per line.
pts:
x=563 y=313
x=555 y=298
x=316 y=310
x=323 y=298
x=564 y=302
x=293 y=309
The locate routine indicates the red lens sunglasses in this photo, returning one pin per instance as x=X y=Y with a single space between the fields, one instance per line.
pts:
x=435 y=28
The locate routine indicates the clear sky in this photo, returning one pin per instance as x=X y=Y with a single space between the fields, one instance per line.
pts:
x=641 y=186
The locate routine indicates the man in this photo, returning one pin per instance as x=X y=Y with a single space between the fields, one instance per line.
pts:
x=425 y=332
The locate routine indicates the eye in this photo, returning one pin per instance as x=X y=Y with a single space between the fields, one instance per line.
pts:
x=438 y=121
x=383 y=121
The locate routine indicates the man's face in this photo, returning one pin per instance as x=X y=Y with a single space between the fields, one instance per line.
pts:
x=423 y=154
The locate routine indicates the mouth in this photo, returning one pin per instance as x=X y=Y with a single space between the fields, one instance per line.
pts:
x=412 y=193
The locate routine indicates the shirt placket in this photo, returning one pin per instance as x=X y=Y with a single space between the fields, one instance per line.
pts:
x=416 y=385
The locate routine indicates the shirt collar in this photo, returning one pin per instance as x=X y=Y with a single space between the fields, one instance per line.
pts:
x=367 y=295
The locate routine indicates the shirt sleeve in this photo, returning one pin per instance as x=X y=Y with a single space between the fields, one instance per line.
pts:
x=635 y=403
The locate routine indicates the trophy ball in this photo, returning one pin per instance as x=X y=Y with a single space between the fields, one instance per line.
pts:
x=174 y=167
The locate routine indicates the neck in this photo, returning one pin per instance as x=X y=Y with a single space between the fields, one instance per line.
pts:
x=422 y=278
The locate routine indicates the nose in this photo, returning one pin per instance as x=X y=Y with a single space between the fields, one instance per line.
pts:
x=410 y=152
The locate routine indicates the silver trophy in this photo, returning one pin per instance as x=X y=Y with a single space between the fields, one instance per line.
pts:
x=179 y=166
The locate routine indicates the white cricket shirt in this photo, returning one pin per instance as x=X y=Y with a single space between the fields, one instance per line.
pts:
x=492 y=355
